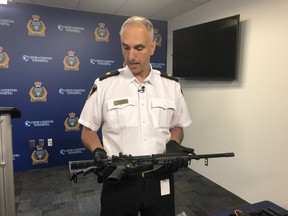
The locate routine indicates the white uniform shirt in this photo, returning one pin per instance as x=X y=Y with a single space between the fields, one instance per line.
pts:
x=136 y=119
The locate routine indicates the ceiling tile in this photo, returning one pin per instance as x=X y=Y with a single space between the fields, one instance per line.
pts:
x=152 y=9
x=70 y=4
x=142 y=8
x=176 y=8
x=22 y=1
x=102 y=6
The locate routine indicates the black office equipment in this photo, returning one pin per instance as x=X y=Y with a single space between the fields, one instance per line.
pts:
x=208 y=51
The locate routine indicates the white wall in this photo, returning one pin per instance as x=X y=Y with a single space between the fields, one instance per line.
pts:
x=250 y=116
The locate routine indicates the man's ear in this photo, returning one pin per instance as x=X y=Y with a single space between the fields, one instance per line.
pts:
x=153 y=47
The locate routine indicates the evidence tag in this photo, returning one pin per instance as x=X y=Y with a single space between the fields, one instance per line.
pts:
x=165 y=187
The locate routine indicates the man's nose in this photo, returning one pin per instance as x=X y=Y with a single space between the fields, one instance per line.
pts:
x=132 y=54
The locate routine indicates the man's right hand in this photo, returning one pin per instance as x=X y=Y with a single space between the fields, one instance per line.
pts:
x=99 y=154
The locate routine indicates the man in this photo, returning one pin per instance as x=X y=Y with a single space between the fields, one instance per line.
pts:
x=142 y=112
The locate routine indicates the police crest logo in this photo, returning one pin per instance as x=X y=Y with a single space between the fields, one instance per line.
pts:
x=157 y=37
x=40 y=155
x=4 y=59
x=36 y=27
x=38 y=93
x=71 y=62
x=101 y=33
x=71 y=123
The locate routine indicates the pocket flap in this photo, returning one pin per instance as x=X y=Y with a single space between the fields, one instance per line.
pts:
x=164 y=104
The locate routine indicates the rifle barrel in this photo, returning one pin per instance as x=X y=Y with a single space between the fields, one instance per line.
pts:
x=228 y=154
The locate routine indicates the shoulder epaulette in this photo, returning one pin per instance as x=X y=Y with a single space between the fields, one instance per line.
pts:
x=169 y=76
x=109 y=74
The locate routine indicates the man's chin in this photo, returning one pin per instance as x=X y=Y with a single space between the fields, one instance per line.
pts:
x=134 y=68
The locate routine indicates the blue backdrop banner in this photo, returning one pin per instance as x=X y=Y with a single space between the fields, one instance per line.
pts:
x=49 y=59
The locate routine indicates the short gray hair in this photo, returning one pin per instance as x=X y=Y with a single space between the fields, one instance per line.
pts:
x=136 y=20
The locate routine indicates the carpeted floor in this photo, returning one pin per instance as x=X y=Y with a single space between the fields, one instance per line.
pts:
x=49 y=192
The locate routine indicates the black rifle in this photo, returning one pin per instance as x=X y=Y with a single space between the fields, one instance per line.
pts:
x=117 y=166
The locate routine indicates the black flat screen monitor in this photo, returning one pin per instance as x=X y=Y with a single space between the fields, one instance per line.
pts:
x=207 y=51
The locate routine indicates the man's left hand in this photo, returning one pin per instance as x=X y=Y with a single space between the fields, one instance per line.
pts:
x=173 y=147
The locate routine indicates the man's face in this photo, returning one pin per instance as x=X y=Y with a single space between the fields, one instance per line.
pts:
x=137 y=47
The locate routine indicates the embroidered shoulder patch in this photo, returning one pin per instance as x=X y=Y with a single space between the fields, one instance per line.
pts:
x=102 y=77
x=169 y=76
x=93 y=89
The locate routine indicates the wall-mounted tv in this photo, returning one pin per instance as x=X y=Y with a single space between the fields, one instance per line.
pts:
x=207 y=51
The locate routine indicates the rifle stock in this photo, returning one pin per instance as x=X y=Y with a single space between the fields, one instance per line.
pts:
x=124 y=164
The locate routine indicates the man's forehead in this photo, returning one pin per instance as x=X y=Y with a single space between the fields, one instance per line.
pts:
x=133 y=44
x=135 y=31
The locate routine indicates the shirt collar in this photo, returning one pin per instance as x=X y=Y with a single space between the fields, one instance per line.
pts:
x=130 y=77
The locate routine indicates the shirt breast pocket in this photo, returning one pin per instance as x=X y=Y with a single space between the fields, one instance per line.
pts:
x=162 y=111
x=121 y=113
